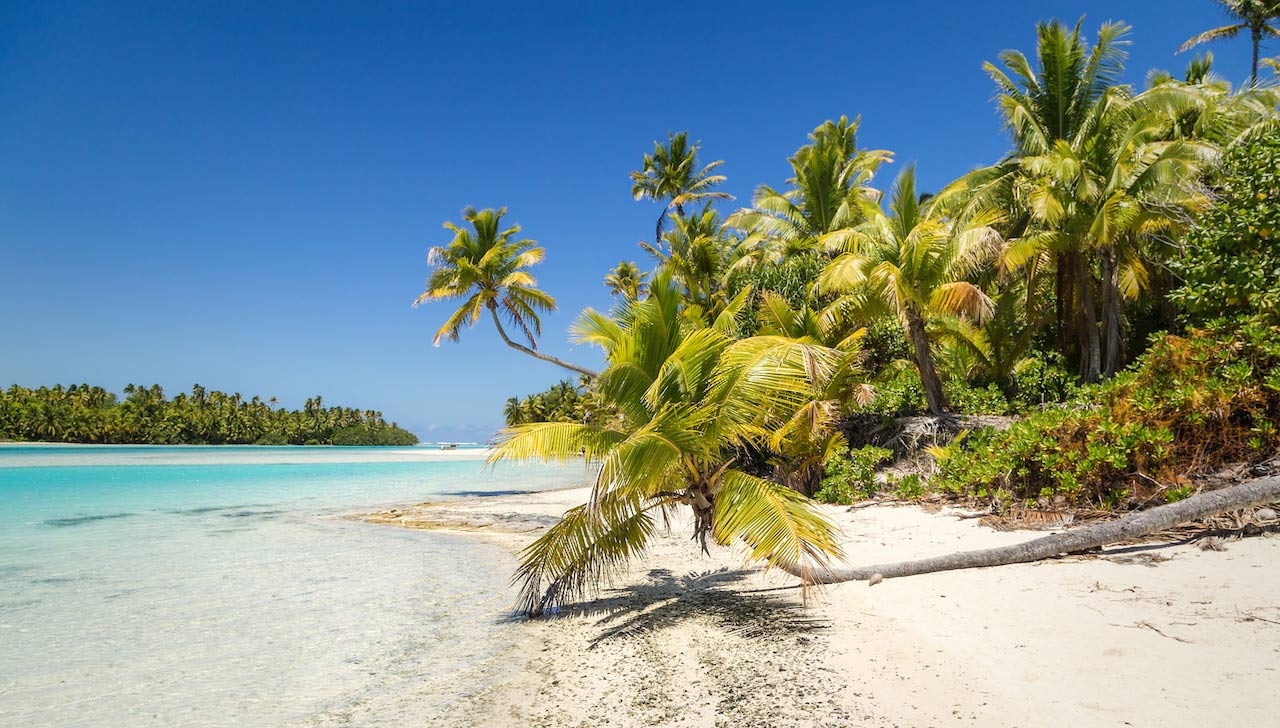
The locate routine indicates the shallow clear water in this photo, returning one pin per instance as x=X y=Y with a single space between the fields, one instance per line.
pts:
x=220 y=586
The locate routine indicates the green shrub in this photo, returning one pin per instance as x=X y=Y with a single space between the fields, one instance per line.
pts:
x=1189 y=403
x=272 y=438
x=899 y=392
x=1041 y=380
x=851 y=475
x=968 y=399
x=908 y=487
x=1232 y=261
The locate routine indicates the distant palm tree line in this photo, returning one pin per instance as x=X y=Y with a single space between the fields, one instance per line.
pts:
x=87 y=414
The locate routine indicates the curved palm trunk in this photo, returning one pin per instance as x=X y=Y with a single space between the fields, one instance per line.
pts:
x=1090 y=344
x=1253 y=493
x=933 y=395
x=493 y=310
x=657 y=232
x=1112 y=314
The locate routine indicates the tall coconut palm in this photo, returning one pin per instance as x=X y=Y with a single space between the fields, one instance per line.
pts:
x=626 y=281
x=685 y=396
x=488 y=267
x=914 y=261
x=830 y=180
x=1259 y=17
x=671 y=175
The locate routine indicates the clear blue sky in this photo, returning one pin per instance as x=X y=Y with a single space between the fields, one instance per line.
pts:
x=243 y=194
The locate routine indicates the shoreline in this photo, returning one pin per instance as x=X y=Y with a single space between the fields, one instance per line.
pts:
x=1134 y=634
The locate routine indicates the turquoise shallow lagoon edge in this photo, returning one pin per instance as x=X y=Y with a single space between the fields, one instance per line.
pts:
x=207 y=585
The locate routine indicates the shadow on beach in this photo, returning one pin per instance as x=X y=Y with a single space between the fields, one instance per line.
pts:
x=665 y=600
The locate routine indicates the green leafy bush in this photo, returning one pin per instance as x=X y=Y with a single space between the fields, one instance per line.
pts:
x=1232 y=261
x=851 y=475
x=908 y=487
x=1041 y=380
x=1190 y=403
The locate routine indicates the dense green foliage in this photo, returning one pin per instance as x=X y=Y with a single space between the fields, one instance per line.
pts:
x=1191 y=403
x=1232 y=263
x=562 y=402
x=742 y=365
x=85 y=414
x=850 y=475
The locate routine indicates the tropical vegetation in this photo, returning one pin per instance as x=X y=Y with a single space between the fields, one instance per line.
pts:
x=1055 y=285
x=81 y=413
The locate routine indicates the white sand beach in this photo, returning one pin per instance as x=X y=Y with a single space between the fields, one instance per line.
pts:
x=1154 y=635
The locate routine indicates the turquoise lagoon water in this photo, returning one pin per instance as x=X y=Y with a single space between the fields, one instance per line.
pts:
x=200 y=586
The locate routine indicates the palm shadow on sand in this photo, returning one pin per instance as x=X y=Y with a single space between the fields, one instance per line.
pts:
x=665 y=599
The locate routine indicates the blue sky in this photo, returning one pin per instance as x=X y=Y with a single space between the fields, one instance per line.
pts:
x=243 y=194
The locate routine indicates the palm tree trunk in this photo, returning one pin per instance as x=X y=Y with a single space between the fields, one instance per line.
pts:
x=657 y=232
x=933 y=395
x=1090 y=345
x=1064 y=304
x=493 y=310
x=1112 y=313
x=1256 y=35
x=1252 y=493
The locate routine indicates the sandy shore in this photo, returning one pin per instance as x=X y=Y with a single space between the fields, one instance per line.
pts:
x=1141 y=636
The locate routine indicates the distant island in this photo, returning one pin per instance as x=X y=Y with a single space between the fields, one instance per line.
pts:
x=86 y=414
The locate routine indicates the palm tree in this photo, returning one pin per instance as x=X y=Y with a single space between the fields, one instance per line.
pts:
x=626 y=281
x=671 y=174
x=1256 y=16
x=685 y=397
x=914 y=262
x=513 y=412
x=805 y=443
x=830 y=180
x=698 y=258
x=488 y=267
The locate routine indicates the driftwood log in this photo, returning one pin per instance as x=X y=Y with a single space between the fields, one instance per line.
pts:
x=1246 y=495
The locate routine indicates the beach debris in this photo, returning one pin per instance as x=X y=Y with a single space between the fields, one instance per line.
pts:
x=875 y=579
x=1212 y=543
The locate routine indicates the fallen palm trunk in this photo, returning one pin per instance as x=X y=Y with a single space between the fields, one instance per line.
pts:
x=1245 y=495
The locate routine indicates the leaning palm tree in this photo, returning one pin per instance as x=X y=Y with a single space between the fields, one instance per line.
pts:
x=685 y=397
x=488 y=267
x=671 y=175
x=626 y=281
x=915 y=262
x=1259 y=17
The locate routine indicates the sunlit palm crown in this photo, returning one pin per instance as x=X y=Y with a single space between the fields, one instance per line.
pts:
x=696 y=255
x=626 y=280
x=1260 y=17
x=685 y=395
x=830 y=181
x=671 y=173
x=487 y=266
x=912 y=257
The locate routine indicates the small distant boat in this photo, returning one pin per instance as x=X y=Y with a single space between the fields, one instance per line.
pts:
x=448 y=446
